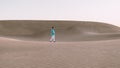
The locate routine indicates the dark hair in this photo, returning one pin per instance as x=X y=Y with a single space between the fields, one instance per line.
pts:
x=52 y=27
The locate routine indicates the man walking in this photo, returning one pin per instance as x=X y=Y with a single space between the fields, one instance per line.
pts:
x=52 y=34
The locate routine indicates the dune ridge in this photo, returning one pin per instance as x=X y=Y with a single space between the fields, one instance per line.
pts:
x=65 y=30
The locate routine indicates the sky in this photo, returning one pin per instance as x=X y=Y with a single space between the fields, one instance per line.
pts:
x=107 y=11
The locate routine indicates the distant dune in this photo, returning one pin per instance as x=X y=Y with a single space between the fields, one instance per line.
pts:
x=65 y=30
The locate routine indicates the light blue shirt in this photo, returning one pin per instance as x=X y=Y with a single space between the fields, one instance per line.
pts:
x=52 y=32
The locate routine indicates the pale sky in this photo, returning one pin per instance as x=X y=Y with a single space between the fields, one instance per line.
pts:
x=107 y=11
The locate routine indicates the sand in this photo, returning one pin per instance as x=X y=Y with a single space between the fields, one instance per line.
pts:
x=66 y=31
x=37 y=54
x=80 y=44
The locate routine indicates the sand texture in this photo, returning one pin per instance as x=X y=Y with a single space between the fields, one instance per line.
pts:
x=65 y=30
x=79 y=44
x=27 y=54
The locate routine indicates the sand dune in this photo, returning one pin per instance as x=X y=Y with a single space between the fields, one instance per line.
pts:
x=65 y=30
x=77 y=45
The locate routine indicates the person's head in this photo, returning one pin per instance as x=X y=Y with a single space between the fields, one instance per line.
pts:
x=52 y=27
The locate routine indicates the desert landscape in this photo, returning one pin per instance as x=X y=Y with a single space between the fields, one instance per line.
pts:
x=79 y=44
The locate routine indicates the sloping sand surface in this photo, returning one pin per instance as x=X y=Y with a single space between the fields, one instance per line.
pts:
x=80 y=44
x=29 y=54
x=65 y=30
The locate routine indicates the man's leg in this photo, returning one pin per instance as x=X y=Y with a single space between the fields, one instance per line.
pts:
x=53 y=38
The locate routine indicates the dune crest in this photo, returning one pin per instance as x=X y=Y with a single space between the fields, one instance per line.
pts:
x=8 y=39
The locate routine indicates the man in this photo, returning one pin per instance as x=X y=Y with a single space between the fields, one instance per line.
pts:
x=52 y=34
